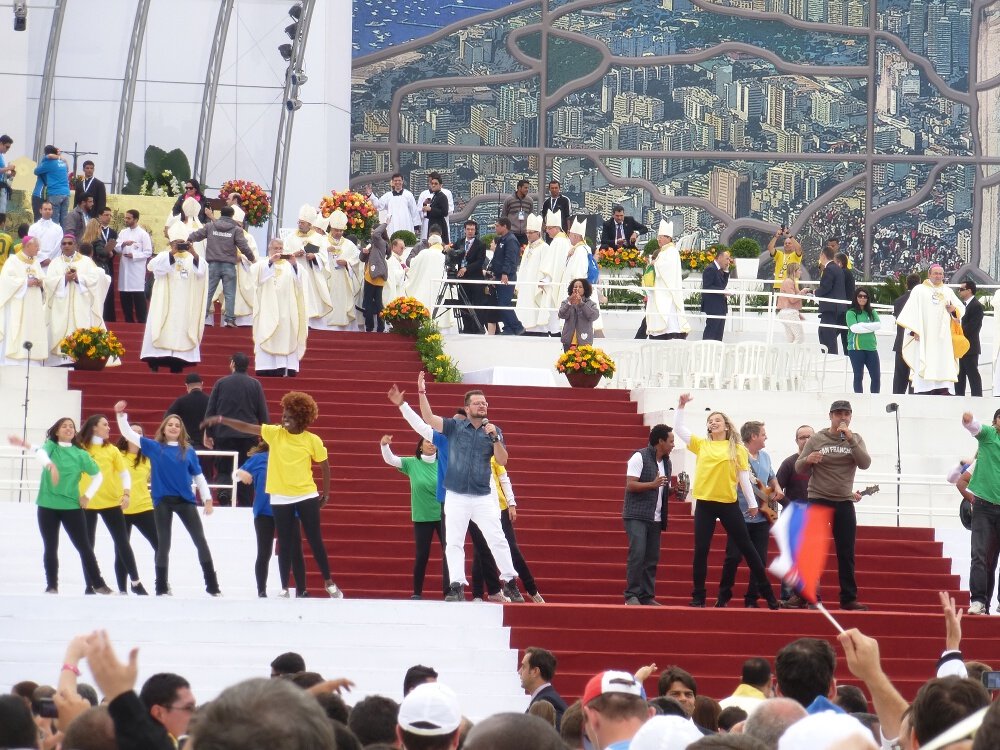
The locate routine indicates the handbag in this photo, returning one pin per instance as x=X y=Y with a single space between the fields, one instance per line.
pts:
x=959 y=343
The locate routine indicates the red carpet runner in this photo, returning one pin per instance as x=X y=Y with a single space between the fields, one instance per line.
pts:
x=568 y=453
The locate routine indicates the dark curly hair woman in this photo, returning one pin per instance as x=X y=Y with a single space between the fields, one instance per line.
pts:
x=290 y=480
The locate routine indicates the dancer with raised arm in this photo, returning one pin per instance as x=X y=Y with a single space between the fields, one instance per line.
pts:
x=174 y=465
x=60 y=503
x=290 y=480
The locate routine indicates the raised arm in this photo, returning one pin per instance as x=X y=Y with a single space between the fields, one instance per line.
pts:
x=124 y=427
x=387 y=455
x=679 y=427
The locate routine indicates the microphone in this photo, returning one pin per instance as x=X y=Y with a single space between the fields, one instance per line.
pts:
x=27 y=345
x=843 y=437
x=494 y=438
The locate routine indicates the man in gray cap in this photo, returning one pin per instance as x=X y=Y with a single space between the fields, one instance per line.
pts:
x=834 y=454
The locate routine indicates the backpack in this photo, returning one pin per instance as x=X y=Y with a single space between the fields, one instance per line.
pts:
x=593 y=272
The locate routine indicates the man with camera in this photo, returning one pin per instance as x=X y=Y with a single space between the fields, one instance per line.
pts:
x=176 y=319
x=435 y=206
x=789 y=252
x=75 y=288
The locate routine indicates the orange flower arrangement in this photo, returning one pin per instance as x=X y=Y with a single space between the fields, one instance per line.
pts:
x=620 y=258
x=253 y=200
x=588 y=360
x=361 y=214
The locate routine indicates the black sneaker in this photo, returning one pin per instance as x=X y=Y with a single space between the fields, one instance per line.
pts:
x=104 y=590
x=456 y=593
x=89 y=591
x=697 y=603
x=511 y=592
x=138 y=589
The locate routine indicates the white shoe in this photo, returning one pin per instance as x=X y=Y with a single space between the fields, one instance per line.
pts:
x=333 y=591
x=977 y=608
x=284 y=594
x=499 y=598
x=477 y=599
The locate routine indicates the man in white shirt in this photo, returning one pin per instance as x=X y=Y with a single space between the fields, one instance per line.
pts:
x=49 y=235
x=136 y=248
x=399 y=206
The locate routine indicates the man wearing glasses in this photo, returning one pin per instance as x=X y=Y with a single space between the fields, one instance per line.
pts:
x=170 y=702
x=972 y=323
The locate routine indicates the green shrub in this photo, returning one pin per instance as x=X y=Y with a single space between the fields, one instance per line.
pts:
x=745 y=247
x=409 y=238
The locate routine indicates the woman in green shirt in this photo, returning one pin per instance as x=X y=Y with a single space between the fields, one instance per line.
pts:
x=862 y=322
x=425 y=510
x=60 y=503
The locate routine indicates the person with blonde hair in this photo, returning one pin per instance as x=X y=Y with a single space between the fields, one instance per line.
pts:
x=722 y=462
x=790 y=308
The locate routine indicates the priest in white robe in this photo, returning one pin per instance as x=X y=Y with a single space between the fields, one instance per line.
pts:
x=665 y=317
x=559 y=248
x=577 y=265
x=346 y=277
x=395 y=282
x=22 y=307
x=927 y=349
x=75 y=288
x=531 y=278
x=176 y=319
x=310 y=253
x=423 y=278
x=280 y=326
x=245 y=291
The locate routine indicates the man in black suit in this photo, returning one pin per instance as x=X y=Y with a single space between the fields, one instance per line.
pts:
x=537 y=669
x=436 y=208
x=831 y=286
x=901 y=372
x=88 y=185
x=715 y=307
x=621 y=230
x=473 y=262
x=556 y=202
x=972 y=323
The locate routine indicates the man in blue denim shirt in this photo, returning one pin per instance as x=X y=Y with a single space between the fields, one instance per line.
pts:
x=472 y=442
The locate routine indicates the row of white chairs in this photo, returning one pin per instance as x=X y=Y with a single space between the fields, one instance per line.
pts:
x=713 y=364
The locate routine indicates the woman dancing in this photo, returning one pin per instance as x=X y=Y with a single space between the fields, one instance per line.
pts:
x=139 y=509
x=174 y=464
x=60 y=503
x=290 y=480
x=722 y=462
x=113 y=495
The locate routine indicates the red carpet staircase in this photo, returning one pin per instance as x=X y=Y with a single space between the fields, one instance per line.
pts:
x=568 y=452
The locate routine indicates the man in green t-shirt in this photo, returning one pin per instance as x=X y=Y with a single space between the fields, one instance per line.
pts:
x=985 y=485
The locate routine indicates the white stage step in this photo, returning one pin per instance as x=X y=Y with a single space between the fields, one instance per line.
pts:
x=214 y=642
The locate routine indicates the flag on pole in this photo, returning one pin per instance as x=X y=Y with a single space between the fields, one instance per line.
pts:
x=803 y=536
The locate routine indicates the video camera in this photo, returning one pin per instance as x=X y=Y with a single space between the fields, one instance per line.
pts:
x=453 y=258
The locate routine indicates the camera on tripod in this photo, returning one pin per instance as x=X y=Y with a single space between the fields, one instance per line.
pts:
x=453 y=258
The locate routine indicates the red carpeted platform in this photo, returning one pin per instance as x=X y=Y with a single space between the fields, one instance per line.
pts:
x=568 y=453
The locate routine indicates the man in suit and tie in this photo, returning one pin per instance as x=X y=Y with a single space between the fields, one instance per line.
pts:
x=473 y=264
x=621 y=230
x=972 y=323
x=557 y=202
x=536 y=671
x=901 y=372
x=715 y=307
x=832 y=287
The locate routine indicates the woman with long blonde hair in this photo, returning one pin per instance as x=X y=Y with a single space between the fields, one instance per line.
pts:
x=790 y=308
x=722 y=463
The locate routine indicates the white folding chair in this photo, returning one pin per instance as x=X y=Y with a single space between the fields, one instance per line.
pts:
x=667 y=362
x=706 y=364
x=749 y=366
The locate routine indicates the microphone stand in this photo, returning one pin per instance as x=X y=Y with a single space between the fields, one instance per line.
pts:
x=894 y=408
x=27 y=345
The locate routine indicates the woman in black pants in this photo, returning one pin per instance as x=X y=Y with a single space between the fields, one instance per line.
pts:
x=113 y=495
x=722 y=462
x=139 y=510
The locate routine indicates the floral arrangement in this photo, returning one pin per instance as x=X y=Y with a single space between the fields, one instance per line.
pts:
x=253 y=200
x=620 y=258
x=92 y=343
x=163 y=184
x=431 y=351
x=696 y=260
x=361 y=214
x=405 y=310
x=586 y=359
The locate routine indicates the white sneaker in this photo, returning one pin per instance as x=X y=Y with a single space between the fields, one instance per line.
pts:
x=284 y=594
x=499 y=598
x=977 y=608
x=537 y=599
x=477 y=599
x=333 y=591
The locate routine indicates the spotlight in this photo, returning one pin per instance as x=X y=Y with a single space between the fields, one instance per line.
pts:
x=293 y=105
x=20 y=15
x=298 y=78
x=295 y=11
x=890 y=408
x=285 y=50
x=291 y=30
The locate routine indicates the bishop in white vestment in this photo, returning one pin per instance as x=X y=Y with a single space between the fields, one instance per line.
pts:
x=280 y=326
x=22 y=308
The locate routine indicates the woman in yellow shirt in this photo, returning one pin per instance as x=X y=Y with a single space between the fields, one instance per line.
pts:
x=139 y=509
x=722 y=462
x=111 y=496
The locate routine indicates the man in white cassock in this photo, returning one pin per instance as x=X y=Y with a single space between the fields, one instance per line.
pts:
x=399 y=207
x=310 y=254
x=665 y=317
x=559 y=248
x=576 y=266
x=532 y=275
x=927 y=349
x=280 y=326
x=423 y=278
x=75 y=288
x=244 y=283
x=345 y=275
x=176 y=319
x=22 y=308
x=395 y=282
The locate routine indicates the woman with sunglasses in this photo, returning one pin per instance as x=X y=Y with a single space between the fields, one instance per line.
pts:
x=862 y=348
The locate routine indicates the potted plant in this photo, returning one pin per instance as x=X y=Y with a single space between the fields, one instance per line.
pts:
x=584 y=366
x=91 y=348
x=405 y=315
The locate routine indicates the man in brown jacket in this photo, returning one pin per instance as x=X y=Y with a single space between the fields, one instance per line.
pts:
x=834 y=454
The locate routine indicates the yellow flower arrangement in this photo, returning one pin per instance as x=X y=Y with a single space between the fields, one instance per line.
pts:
x=361 y=214
x=620 y=258
x=93 y=343
x=405 y=308
x=588 y=360
x=696 y=260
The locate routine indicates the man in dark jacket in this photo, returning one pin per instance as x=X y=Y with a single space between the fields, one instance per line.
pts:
x=241 y=397
x=191 y=409
x=831 y=287
x=621 y=230
x=536 y=671
x=901 y=372
x=972 y=324
x=504 y=267
x=223 y=237
x=376 y=272
x=647 y=485
x=715 y=276
x=472 y=268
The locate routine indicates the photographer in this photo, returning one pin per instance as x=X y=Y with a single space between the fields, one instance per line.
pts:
x=176 y=318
